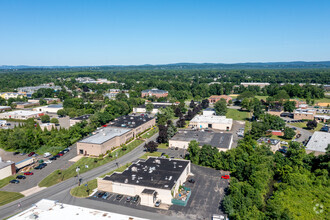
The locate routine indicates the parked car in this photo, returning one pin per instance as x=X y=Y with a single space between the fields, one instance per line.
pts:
x=28 y=173
x=15 y=153
x=158 y=202
x=191 y=180
x=47 y=154
x=226 y=177
x=14 y=181
x=105 y=196
x=39 y=167
x=31 y=154
x=35 y=155
x=53 y=158
x=135 y=198
x=22 y=154
x=48 y=161
x=20 y=177
x=100 y=194
x=128 y=199
x=60 y=154
x=118 y=197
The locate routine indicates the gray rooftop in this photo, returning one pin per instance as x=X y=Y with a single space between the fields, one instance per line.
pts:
x=104 y=135
x=268 y=141
x=5 y=164
x=319 y=141
x=219 y=140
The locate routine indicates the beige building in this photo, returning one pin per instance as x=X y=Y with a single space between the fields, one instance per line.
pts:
x=20 y=114
x=222 y=141
x=7 y=169
x=304 y=114
x=49 y=108
x=153 y=179
x=48 y=126
x=211 y=122
x=274 y=144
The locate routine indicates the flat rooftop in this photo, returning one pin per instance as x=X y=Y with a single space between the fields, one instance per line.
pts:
x=268 y=141
x=154 y=91
x=51 y=210
x=5 y=164
x=212 y=119
x=319 y=141
x=21 y=112
x=215 y=139
x=160 y=173
x=104 y=134
x=130 y=121
x=83 y=117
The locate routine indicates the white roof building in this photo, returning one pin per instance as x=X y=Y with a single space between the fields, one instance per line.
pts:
x=211 y=121
x=20 y=114
x=318 y=143
x=51 y=210
x=49 y=108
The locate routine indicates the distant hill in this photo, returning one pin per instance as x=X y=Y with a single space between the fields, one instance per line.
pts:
x=268 y=65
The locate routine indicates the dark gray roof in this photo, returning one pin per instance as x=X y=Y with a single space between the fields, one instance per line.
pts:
x=148 y=191
x=130 y=121
x=158 y=173
x=156 y=106
x=219 y=140
x=83 y=117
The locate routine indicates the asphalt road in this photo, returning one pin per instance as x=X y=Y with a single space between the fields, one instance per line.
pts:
x=304 y=133
x=61 y=191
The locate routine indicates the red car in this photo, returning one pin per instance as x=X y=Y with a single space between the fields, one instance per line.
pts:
x=28 y=173
x=60 y=154
x=226 y=177
x=30 y=154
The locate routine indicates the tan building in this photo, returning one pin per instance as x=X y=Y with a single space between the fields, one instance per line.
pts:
x=21 y=114
x=22 y=105
x=153 y=179
x=274 y=144
x=48 y=126
x=304 y=114
x=273 y=112
x=222 y=141
x=49 y=108
x=211 y=122
x=7 y=169
x=215 y=98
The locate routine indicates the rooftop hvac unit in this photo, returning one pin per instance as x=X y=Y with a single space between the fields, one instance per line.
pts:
x=157 y=161
x=133 y=177
x=126 y=181
x=134 y=169
x=132 y=118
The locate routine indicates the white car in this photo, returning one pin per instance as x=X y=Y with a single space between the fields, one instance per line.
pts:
x=48 y=161
x=284 y=142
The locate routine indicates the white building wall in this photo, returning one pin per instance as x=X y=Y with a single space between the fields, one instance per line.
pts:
x=5 y=172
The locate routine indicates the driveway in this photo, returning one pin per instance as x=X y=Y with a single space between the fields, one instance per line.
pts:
x=304 y=133
x=33 y=180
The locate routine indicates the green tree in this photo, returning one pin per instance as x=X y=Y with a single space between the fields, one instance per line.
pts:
x=220 y=107
x=194 y=151
x=54 y=120
x=311 y=124
x=149 y=107
x=45 y=118
x=289 y=133
x=42 y=102
x=289 y=106
x=61 y=112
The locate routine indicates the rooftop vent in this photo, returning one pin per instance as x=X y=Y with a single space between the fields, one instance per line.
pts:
x=133 y=177
x=126 y=181
x=166 y=186
x=131 y=118
x=134 y=169
x=169 y=179
x=157 y=161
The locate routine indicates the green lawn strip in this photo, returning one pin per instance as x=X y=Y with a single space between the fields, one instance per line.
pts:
x=150 y=133
x=264 y=97
x=61 y=175
x=280 y=138
x=303 y=125
x=7 y=197
x=153 y=154
x=236 y=114
x=6 y=180
x=163 y=146
x=82 y=190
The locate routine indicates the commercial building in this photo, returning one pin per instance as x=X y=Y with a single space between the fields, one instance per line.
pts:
x=274 y=144
x=215 y=98
x=20 y=114
x=14 y=95
x=22 y=105
x=156 y=108
x=304 y=114
x=213 y=122
x=76 y=120
x=209 y=112
x=53 y=210
x=114 y=92
x=322 y=118
x=154 y=92
x=318 y=143
x=138 y=123
x=260 y=84
x=49 y=108
x=153 y=179
x=47 y=126
x=4 y=108
x=32 y=89
x=104 y=140
x=7 y=169
x=222 y=141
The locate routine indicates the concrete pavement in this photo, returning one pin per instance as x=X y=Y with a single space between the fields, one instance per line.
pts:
x=64 y=187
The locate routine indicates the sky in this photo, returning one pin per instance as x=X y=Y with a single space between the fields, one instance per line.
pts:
x=133 y=32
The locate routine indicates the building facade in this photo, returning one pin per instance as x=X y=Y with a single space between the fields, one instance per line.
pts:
x=7 y=169
x=154 y=92
x=20 y=114
x=304 y=114
x=318 y=143
x=211 y=122
x=215 y=98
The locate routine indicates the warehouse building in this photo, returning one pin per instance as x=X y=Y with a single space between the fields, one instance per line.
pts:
x=318 y=143
x=212 y=122
x=153 y=179
x=222 y=141
x=22 y=105
x=49 y=108
x=7 y=169
x=21 y=114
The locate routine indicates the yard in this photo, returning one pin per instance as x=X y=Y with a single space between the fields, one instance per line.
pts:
x=6 y=180
x=85 y=164
x=81 y=191
x=7 y=197
x=236 y=114
x=163 y=146
x=303 y=125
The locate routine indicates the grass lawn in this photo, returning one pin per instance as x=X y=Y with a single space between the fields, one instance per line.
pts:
x=61 y=175
x=264 y=97
x=163 y=146
x=303 y=125
x=153 y=154
x=280 y=138
x=237 y=114
x=6 y=180
x=81 y=191
x=7 y=197
x=150 y=133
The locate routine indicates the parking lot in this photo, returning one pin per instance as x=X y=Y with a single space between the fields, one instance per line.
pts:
x=38 y=175
x=207 y=193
